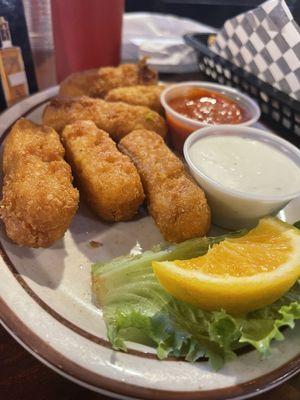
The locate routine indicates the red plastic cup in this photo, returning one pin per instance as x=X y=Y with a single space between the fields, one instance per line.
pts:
x=87 y=34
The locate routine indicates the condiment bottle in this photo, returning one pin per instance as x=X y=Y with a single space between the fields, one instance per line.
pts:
x=12 y=71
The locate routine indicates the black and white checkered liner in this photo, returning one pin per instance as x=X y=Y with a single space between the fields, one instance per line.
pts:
x=265 y=42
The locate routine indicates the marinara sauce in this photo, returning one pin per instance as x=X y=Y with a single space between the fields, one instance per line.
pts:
x=208 y=107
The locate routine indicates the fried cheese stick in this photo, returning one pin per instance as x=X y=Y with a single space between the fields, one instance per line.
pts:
x=177 y=205
x=141 y=95
x=108 y=180
x=39 y=200
x=118 y=119
x=98 y=82
x=80 y=84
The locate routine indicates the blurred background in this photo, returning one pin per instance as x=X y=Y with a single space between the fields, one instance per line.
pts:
x=210 y=12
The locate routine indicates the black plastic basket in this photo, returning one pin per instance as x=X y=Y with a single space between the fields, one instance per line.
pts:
x=279 y=110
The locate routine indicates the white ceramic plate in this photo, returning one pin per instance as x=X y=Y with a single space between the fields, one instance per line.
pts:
x=46 y=305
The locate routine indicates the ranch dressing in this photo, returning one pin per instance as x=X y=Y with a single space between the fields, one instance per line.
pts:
x=246 y=165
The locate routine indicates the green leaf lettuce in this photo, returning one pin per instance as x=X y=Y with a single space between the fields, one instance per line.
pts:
x=136 y=308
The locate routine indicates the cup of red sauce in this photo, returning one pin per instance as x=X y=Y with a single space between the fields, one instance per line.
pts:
x=193 y=105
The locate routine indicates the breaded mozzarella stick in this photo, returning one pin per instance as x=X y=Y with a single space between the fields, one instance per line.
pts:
x=117 y=119
x=108 y=180
x=39 y=200
x=147 y=96
x=177 y=205
x=98 y=82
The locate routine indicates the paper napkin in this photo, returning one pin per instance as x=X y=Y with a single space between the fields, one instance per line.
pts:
x=160 y=37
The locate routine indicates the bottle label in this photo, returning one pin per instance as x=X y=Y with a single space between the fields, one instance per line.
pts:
x=18 y=78
x=6 y=43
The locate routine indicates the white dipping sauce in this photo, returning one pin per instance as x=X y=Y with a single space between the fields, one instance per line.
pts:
x=246 y=165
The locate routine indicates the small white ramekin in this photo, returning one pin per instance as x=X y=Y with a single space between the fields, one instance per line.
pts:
x=233 y=209
x=181 y=127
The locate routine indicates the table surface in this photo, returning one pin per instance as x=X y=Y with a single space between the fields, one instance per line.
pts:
x=22 y=377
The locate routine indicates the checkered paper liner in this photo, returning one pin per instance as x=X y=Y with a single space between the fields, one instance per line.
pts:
x=266 y=43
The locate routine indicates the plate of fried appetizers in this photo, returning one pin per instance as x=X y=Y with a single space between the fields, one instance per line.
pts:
x=143 y=266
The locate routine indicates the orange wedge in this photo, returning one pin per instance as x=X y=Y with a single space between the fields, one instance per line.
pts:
x=238 y=274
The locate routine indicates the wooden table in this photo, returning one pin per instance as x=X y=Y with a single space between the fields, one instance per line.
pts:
x=22 y=377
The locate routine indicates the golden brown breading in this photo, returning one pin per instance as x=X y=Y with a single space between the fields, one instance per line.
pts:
x=39 y=200
x=118 y=119
x=108 y=180
x=79 y=83
x=141 y=95
x=177 y=205
x=98 y=82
